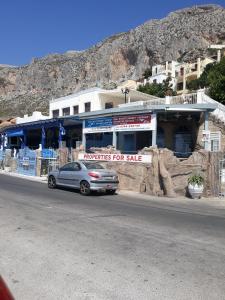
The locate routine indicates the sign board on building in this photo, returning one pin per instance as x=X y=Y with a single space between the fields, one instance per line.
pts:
x=116 y=157
x=98 y=125
x=48 y=153
x=134 y=122
x=205 y=135
x=121 y=123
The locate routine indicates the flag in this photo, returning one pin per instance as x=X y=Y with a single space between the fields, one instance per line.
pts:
x=22 y=143
x=5 y=143
x=43 y=135
x=43 y=132
x=62 y=129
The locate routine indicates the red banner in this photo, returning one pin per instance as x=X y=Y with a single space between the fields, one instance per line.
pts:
x=134 y=119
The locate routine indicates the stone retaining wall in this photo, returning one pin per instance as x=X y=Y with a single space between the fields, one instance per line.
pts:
x=166 y=175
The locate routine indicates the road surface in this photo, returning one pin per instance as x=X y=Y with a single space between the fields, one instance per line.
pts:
x=57 y=244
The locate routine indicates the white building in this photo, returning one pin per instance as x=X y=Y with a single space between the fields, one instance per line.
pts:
x=36 y=116
x=163 y=71
x=180 y=73
x=92 y=100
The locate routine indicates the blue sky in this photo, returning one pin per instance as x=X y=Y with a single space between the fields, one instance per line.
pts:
x=35 y=28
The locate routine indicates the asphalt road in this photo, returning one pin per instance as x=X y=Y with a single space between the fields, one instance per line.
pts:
x=57 y=244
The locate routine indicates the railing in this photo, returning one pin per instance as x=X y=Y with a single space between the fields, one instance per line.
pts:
x=219 y=112
x=183 y=99
x=156 y=101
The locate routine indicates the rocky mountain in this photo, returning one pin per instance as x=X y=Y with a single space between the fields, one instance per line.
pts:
x=182 y=34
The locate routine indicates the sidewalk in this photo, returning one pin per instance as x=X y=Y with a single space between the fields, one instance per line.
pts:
x=42 y=179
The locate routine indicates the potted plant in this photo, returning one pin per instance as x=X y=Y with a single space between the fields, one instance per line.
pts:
x=196 y=185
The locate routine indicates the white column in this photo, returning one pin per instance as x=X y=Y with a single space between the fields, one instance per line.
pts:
x=200 y=96
x=198 y=67
x=166 y=68
x=114 y=142
x=83 y=136
x=167 y=99
x=218 y=55
x=154 y=132
x=184 y=78
x=206 y=127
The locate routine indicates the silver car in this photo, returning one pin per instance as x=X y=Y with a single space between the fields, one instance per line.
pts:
x=86 y=176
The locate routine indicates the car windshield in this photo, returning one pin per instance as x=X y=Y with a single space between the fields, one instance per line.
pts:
x=92 y=165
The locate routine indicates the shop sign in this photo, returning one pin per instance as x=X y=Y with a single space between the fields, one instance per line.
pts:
x=116 y=157
x=133 y=122
x=98 y=125
x=121 y=123
x=48 y=153
x=205 y=135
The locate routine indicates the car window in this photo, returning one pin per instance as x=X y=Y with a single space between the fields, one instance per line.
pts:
x=93 y=165
x=67 y=167
x=76 y=167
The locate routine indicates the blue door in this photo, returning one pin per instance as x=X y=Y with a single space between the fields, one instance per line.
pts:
x=129 y=143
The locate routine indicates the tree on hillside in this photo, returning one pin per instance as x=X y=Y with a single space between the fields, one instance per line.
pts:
x=213 y=77
x=147 y=73
x=158 y=89
x=216 y=80
x=202 y=81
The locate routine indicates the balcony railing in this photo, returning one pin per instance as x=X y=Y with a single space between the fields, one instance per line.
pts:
x=184 y=99
x=157 y=101
x=194 y=98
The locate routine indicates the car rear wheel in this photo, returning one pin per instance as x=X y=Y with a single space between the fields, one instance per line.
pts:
x=111 y=192
x=51 y=182
x=85 y=188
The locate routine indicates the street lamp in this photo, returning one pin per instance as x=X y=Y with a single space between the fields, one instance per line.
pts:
x=125 y=92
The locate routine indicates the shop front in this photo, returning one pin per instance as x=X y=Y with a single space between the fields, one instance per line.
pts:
x=127 y=133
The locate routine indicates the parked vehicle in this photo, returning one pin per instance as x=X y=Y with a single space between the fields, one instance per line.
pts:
x=5 y=293
x=86 y=176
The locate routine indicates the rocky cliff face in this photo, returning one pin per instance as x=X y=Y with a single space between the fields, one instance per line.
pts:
x=184 y=33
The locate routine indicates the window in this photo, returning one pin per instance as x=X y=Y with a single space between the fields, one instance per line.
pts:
x=215 y=138
x=76 y=110
x=87 y=106
x=92 y=165
x=71 y=167
x=67 y=167
x=76 y=167
x=180 y=86
x=55 y=113
x=108 y=105
x=66 y=111
x=181 y=71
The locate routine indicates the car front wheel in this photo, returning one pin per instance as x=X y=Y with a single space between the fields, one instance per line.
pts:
x=51 y=182
x=85 y=188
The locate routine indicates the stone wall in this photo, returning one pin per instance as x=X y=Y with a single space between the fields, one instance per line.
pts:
x=168 y=175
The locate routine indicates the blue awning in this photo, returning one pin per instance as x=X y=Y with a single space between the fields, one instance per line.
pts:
x=16 y=132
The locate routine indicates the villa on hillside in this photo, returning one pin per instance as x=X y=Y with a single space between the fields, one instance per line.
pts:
x=181 y=73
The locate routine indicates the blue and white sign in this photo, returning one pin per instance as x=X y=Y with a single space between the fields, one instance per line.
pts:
x=48 y=153
x=139 y=122
x=98 y=125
